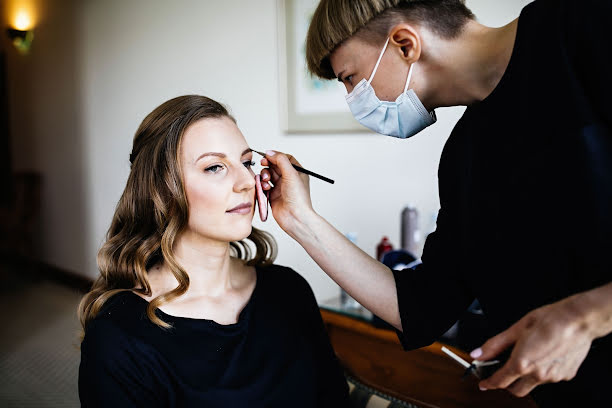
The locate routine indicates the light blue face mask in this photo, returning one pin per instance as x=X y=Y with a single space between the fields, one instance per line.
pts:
x=403 y=118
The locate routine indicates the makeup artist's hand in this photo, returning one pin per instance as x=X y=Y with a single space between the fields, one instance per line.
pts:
x=290 y=196
x=368 y=281
x=549 y=345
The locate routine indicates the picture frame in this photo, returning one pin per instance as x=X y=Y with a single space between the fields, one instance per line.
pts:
x=308 y=104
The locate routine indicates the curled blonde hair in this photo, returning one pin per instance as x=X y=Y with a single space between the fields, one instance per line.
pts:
x=153 y=210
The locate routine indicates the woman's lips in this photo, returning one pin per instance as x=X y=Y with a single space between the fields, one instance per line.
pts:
x=244 y=208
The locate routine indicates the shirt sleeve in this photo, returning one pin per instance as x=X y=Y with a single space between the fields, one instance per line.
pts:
x=114 y=371
x=585 y=25
x=432 y=297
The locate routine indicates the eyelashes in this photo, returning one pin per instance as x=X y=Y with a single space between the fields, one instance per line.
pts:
x=218 y=167
x=213 y=169
x=348 y=78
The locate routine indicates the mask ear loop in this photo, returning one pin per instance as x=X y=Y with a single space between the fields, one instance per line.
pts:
x=378 y=62
x=409 y=76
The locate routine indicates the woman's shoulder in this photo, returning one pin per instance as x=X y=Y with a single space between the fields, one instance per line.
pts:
x=122 y=306
x=282 y=275
x=282 y=280
x=120 y=320
x=117 y=350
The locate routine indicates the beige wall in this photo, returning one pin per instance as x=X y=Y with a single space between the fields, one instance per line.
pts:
x=98 y=67
x=46 y=127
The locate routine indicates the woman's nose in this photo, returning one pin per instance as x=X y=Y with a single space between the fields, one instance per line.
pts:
x=245 y=180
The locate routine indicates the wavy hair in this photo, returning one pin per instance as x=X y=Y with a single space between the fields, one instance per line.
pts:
x=153 y=210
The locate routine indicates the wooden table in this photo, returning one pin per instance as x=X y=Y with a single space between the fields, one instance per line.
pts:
x=425 y=377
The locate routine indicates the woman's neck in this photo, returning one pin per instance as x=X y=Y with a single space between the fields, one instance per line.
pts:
x=212 y=271
x=466 y=69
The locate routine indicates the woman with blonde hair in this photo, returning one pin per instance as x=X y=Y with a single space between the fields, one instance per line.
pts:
x=187 y=312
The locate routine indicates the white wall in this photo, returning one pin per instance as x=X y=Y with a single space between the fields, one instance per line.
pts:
x=130 y=56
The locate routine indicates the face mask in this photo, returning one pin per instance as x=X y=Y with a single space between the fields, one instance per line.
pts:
x=403 y=118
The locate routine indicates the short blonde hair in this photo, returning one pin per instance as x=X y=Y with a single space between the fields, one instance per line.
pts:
x=334 y=21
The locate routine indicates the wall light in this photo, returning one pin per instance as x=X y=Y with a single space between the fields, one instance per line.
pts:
x=22 y=39
x=21 y=33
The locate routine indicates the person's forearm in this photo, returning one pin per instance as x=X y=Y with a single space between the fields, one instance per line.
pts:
x=596 y=306
x=368 y=281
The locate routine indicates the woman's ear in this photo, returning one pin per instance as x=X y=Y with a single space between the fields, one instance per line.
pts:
x=407 y=41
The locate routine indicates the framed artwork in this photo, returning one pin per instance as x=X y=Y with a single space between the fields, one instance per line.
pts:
x=309 y=104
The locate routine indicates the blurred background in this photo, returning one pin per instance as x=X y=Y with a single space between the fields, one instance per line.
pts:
x=76 y=79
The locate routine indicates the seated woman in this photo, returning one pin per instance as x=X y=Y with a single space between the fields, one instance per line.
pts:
x=183 y=312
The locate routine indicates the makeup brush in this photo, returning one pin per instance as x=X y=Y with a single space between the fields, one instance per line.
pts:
x=303 y=170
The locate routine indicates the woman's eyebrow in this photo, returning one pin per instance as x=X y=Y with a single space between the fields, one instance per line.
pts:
x=221 y=155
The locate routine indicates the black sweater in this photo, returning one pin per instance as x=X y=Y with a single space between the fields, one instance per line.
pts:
x=525 y=183
x=276 y=355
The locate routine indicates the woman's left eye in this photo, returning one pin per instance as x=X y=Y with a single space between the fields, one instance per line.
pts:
x=248 y=164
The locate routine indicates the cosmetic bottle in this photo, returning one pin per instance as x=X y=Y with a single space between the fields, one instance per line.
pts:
x=409 y=229
x=383 y=247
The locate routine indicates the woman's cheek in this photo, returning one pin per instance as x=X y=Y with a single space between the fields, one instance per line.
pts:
x=206 y=197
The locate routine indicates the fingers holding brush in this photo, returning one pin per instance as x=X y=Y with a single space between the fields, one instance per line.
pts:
x=268 y=176
x=290 y=193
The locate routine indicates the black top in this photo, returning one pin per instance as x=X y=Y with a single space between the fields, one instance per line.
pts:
x=525 y=183
x=276 y=355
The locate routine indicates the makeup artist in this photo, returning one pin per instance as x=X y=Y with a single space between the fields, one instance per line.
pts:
x=525 y=180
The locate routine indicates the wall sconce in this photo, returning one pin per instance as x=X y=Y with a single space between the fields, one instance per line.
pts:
x=22 y=39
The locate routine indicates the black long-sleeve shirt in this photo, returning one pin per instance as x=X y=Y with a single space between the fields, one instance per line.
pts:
x=525 y=183
x=276 y=355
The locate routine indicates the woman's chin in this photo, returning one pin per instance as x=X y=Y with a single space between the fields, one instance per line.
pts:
x=242 y=233
x=228 y=233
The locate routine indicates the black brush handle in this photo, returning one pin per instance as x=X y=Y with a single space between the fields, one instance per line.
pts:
x=313 y=174
x=302 y=170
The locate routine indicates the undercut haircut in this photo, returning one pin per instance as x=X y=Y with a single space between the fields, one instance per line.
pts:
x=335 y=21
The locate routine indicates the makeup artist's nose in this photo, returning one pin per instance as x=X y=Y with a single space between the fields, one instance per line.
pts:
x=245 y=180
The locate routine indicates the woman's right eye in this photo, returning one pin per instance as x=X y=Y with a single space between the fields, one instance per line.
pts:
x=213 y=169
